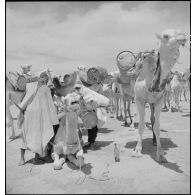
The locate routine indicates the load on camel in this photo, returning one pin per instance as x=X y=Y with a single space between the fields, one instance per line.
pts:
x=154 y=70
x=17 y=86
x=78 y=101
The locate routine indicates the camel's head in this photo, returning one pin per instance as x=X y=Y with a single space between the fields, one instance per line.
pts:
x=170 y=42
x=82 y=68
x=109 y=79
x=172 y=37
x=149 y=60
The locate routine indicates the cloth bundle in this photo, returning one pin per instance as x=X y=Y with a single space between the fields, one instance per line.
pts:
x=91 y=97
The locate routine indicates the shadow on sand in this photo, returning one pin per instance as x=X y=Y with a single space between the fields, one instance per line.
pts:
x=86 y=169
x=104 y=130
x=186 y=115
x=98 y=145
x=150 y=149
x=126 y=125
x=41 y=161
x=101 y=130
x=101 y=144
x=164 y=110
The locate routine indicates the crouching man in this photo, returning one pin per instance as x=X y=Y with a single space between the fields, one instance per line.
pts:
x=67 y=143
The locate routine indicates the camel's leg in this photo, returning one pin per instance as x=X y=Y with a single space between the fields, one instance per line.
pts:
x=189 y=91
x=180 y=99
x=125 y=110
x=168 y=99
x=129 y=111
x=141 y=111
x=135 y=117
x=133 y=100
x=184 y=94
x=120 y=107
x=189 y=95
x=159 y=153
x=9 y=117
x=171 y=100
x=112 y=105
x=165 y=99
x=117 y=107
x=177 y=95
x=152 y=119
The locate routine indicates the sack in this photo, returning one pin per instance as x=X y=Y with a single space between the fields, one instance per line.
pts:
x=96 y=75
x=101 y=116
x=21 y=83
x=89 y=119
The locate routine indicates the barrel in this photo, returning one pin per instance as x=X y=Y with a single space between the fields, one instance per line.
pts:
x=96 y=75
x=125 y=60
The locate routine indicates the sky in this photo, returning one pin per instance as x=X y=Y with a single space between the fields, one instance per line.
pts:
x=64 y=35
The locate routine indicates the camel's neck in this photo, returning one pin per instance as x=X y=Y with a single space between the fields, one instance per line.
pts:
x=168 y=58
x=166 y=66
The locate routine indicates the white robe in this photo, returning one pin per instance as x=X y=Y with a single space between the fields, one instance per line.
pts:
x=39 y=118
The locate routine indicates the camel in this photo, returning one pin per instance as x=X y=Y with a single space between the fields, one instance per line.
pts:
x=186 y=85
x=177 y=85
x=113 y=92
x=125 y=62
x=149 y=87
x=108 y=92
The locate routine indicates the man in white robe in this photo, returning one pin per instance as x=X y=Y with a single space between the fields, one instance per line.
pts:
x=39 y=117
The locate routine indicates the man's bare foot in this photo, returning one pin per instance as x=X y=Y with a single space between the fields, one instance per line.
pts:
x=22 y=162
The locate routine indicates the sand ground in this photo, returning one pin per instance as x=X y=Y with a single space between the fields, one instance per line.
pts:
x=101 y=174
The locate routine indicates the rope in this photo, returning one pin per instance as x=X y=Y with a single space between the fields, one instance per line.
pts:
x=80 y=171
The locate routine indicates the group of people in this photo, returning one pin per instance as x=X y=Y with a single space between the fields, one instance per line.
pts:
x=44 y=113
